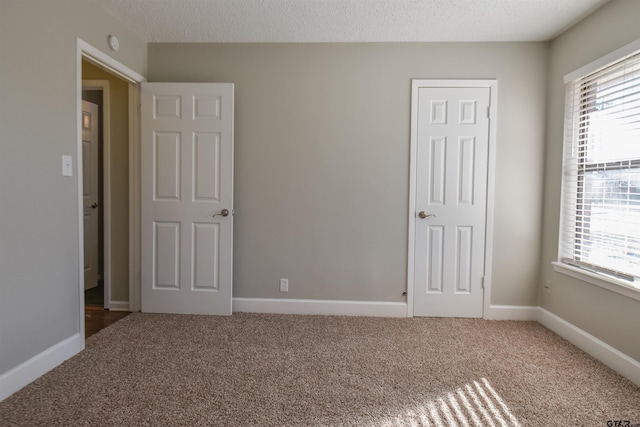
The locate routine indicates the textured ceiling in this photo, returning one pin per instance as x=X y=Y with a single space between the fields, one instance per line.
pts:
x=348 y=20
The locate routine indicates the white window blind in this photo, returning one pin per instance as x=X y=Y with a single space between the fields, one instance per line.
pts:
x=600 y=219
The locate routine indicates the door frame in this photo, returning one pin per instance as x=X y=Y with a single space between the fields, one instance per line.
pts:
x=97 y=57
x=416 y=84
x=103 y=86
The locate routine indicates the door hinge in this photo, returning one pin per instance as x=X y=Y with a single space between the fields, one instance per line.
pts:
x=489 y=112
x=482 y=282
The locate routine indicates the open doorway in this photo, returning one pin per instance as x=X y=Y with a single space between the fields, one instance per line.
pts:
x=105 y=166
x=121 y=254
x=111 y=94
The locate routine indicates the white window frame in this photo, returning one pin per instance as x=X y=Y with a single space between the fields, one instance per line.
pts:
x=593 y=277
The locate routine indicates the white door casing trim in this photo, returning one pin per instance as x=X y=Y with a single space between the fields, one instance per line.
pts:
x=88 y=52
x=102 y=60
x=134 y=198
x=413 y=176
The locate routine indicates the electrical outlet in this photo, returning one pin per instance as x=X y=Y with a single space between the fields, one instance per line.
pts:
x=284 y=285
x=547 y=287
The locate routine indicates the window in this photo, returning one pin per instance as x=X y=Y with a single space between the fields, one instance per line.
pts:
x=600 y=219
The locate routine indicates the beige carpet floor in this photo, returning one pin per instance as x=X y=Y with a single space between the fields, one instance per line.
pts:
x=285 y=370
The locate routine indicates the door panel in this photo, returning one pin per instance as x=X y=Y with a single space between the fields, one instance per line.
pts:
x=187 y=181
x=166 y=255
x=451 y=193
x=90 y=147
x=166 y=166
x=206 y=248
x=206 y=164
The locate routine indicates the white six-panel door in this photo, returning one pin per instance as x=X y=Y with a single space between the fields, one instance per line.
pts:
x=90 y=164
x=186 y=186
x=451 y=196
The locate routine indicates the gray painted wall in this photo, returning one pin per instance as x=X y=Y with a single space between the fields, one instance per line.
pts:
x=609 y=316
x=322 y=159
x=322 y=155
x=39 y=284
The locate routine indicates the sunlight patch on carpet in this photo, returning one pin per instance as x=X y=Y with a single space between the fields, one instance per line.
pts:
x=474 y=404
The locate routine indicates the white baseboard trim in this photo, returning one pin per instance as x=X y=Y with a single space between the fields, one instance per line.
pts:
x=615 y=359
x=119 y=305
x=322 y=307
x=511 y=312
x=18 y=377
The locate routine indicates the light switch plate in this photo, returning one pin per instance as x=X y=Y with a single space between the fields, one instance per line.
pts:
x=67 y=166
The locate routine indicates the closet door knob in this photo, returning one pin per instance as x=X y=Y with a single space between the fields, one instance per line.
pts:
x=223 y=212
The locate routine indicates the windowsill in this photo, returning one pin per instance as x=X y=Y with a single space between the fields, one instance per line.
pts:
x=600 y=280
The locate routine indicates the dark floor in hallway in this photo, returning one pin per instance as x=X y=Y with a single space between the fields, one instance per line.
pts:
x=97 y=318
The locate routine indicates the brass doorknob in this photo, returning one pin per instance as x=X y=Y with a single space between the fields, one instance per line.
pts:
x=424 y=215
x=223 y=212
